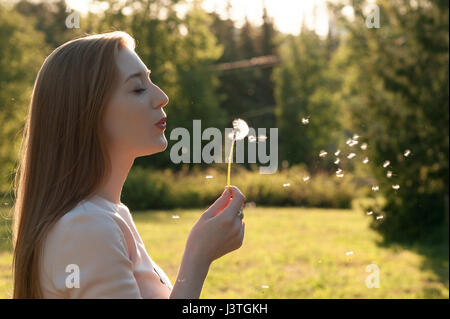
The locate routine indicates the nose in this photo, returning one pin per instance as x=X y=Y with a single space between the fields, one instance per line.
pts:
x=162 y=98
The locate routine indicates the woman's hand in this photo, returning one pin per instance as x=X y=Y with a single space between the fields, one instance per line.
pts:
x=219 y=230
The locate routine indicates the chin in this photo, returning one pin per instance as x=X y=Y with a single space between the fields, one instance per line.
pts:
x=161 y=146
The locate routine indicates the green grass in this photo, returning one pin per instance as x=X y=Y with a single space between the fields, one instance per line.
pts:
x=297 y=252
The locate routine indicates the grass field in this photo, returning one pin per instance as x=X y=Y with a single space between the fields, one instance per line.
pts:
x=296 y=252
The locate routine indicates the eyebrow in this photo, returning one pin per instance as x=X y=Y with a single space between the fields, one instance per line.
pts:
x=138 y=74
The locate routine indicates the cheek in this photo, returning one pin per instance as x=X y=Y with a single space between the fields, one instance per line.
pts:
x=128 y=121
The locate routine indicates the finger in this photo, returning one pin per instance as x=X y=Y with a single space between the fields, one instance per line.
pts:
x=218 y=205
x=235 y=203
x=241 y=234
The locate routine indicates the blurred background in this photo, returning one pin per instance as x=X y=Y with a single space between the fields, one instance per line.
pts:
x=359 y=92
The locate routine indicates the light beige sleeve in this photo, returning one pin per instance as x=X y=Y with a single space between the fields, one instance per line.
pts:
x=93 y=244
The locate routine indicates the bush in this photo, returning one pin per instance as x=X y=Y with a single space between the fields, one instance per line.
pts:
x=151 y=189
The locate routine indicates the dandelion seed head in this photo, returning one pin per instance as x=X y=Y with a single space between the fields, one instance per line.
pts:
x=375 y=188
x=337 y=153
x=305 y=120
x=337 y=161
x=389 y=174
x=339 y=171
x=369 y=212
x=340 y=175
x=286 y=185
x=355 y=136
x=379 y=217
x=364 y=146
x=351 y=155
x=323 y=154
x=366 y=160
x=306 y=178
x=396 y=187
x=175 y=216
x=208 y=176
x=348 y=253
x=386 y=164
x=265 y=286
x=407 y=153
x=240 y=128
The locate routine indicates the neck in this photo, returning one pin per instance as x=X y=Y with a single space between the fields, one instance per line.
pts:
x=112 y=188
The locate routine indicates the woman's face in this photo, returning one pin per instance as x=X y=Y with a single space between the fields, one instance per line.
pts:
x=134 y=109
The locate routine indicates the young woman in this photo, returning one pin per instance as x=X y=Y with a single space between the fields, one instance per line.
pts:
x=93 y=110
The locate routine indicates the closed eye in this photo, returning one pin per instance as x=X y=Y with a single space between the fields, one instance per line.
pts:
x=139 y=91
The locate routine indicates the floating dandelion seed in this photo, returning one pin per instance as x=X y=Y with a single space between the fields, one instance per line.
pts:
x=366 y=160
x=375 y=188
x=252 y=138
x=337 y=153
x=175 y=216
x=339 y=173
x=286 y=185
x=379 y=217
x=364 y=146
x=323 y=154
x=306 y=178
x=407 y=153
x=262 y=138
x=389 y=174
x=240 y=130
x=337 y=161
x=265 y=286
x=208 y=176
x=386 y=164
x=305 y=120
x=351 y=155
x=396 y=187
x=369 y=212
x=348 y=253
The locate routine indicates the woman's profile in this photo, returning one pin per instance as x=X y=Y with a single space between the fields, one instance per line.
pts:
x=93 y=110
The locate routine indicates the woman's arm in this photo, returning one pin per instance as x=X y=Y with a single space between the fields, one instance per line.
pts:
x=190 y=279
x=213 y=236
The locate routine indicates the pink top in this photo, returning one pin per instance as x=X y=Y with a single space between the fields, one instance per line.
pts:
x=95 y=251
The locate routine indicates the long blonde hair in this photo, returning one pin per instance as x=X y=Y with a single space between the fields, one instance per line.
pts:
x=63 y=157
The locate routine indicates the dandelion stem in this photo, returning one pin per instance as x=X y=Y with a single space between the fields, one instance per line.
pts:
x=229 y=161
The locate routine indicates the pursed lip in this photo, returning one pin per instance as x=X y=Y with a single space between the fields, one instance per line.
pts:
x=161 y=123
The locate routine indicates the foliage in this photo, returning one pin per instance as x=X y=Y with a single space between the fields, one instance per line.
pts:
x=396 y=89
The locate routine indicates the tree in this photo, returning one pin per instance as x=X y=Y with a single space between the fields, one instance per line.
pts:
x=396 y=87
x=303 y=90
x=22 y=51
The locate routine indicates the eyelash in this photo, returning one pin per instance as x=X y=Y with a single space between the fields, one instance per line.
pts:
x=139 y=91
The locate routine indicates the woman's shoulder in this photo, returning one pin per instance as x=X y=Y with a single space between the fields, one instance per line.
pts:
x=88 y=237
